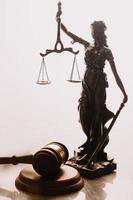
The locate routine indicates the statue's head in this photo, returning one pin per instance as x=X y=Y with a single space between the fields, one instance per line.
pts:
x=97 y=29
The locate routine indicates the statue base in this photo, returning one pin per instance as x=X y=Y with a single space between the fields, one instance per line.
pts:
x=95 y=170
x=67 y=180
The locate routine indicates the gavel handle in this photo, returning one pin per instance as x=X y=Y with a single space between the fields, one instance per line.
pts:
x=27 y=159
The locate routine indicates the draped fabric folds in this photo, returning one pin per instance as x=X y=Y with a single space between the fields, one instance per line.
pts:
x=92 y=103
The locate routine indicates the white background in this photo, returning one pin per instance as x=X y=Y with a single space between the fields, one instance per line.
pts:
x=32 y=115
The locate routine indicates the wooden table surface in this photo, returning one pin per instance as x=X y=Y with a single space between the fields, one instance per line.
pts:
x=115 y=186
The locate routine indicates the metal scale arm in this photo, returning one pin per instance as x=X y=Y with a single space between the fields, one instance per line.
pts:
x=58 y=41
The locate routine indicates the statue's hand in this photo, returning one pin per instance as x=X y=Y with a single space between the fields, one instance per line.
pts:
x=58 y=14
x=57 y=18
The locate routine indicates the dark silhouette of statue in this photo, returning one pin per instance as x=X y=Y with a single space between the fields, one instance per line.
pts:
x=93 y=111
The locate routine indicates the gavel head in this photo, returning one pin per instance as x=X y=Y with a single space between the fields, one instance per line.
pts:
x=48 y=160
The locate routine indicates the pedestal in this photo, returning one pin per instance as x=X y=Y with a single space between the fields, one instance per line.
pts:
x=95 y=170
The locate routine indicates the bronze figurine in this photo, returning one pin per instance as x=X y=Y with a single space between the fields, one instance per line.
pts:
x=93 y=111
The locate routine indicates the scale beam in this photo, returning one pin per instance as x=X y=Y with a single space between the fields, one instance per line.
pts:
x=48 y=51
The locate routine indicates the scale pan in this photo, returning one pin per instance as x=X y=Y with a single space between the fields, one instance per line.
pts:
x=43 y=82
x=74 y=81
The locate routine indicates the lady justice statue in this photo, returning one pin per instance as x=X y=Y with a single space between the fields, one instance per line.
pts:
x=93 y=111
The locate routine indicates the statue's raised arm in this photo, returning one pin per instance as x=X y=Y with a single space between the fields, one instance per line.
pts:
x=74 y=37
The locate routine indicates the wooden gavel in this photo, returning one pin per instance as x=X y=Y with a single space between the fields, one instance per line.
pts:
x=46 y=162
